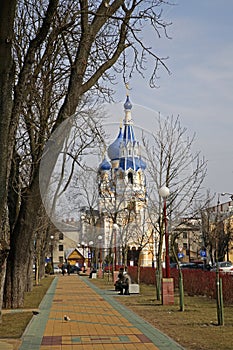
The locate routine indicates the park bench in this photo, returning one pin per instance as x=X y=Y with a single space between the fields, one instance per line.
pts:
x=133 y=287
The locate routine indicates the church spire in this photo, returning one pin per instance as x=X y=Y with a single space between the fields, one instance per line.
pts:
x=128 y=135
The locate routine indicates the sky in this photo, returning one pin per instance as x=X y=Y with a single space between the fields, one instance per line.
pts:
x=200 y=86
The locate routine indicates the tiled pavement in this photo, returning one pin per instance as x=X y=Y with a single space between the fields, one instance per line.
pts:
x=97 y=321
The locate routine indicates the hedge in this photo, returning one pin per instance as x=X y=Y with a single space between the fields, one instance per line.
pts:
x=196 y=282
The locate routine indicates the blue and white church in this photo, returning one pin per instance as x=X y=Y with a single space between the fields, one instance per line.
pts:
x=122 y=201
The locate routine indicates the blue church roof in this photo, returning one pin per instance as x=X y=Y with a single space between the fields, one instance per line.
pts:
x=143 y=164
x=114 y=148
x=128 y=134
x=132 y=163
x=127 y=162
x=127 y=104
x=105 y=165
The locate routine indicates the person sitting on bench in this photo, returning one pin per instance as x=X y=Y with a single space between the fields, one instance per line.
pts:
x=122 y=284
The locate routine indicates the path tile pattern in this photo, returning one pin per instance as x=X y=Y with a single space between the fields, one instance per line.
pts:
x=97 y=321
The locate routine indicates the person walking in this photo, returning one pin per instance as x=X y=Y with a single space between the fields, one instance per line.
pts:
x=63 y=269
x=68 y=268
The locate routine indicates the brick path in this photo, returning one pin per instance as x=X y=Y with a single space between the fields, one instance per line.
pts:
x=97 y=321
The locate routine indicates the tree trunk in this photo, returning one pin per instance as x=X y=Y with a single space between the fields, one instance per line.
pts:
x=6 y=86
x=7 y=15
x=4 y=250
x=158 y=276
x=159 y=271
x=21 y=248
x=139 y=266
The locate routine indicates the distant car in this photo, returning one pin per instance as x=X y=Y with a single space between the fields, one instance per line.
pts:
x=224 y=266
x=188 y=265
x=75 y=269
x=57 y=269
x=195 y=265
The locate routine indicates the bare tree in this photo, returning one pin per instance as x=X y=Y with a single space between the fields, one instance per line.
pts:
x=170 y=162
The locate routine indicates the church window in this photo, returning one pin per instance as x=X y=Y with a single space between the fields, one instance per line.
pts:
x=130 y=178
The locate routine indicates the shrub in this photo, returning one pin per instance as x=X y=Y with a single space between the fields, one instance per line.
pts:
x=196 y=282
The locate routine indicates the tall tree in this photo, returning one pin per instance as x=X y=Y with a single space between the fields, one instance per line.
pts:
x=63 y=52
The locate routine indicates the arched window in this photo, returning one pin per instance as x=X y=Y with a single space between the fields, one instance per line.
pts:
x=130 y=178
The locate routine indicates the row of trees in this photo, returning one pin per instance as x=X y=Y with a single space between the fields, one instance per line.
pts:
x=56 y=58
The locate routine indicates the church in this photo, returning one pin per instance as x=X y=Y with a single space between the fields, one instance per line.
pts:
x=126 y=232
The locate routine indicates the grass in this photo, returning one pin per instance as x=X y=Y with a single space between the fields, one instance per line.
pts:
x=14 y=322
x=195 y=329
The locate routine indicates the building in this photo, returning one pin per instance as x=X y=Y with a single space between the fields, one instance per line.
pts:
x=123 y=201
x=189 y=240
x=218 y=220
x=64 y=243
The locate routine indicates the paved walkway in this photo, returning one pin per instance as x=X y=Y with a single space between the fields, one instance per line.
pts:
x=97 y=321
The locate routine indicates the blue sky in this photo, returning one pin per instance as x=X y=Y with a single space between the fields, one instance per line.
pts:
x=200 y=87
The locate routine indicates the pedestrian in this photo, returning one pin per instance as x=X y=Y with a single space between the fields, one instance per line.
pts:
x=68 y=268
x=63 y=269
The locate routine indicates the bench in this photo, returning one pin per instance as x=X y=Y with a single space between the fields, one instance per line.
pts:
x=134 y=288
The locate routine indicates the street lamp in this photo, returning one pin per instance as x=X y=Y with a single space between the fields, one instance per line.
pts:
x=90 y=253
x=100 y=255
x=51 y=251
x=83 y=246
x=115 y=226
x=167 y=283
x=164 y=193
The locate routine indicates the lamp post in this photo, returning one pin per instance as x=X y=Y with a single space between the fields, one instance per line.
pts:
x=51 y=251
x=164 y=193
x=167 y=283
x=100 y=256
x=90 y=253
x=115 y=226
x=83 y=246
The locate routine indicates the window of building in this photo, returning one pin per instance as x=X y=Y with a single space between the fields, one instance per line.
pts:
x=61 y=236
x=185 y=235
x=60 y=247
x=61 y=259
x=185 y=246
x=130 y=178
